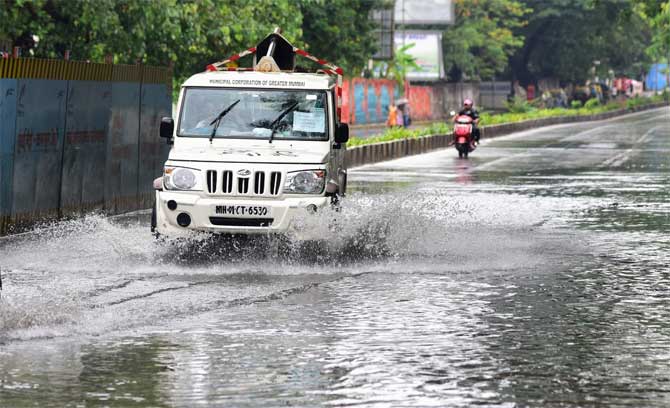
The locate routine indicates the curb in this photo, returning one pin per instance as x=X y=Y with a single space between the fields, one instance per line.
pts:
x=396 y=149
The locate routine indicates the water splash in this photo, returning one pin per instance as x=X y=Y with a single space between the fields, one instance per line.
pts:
x=97 y=274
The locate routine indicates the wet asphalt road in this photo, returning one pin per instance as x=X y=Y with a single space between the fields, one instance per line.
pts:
x=536 y=273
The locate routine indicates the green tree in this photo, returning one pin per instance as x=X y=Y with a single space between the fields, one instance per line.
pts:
x=23 y=22
x=189 y=33
x=212 y=31
x=186 y=33
x=340 y=31
x=397 y=68
x=564 y=38
x=480 y=42
x=657 y=14
x=90 y=29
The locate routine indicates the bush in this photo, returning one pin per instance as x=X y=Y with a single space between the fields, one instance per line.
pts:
x=518 y=105
x=576 y=104
x=438 y=128
x=661 y=97
x=592 y=103
x=634 y=102
x=399 y=133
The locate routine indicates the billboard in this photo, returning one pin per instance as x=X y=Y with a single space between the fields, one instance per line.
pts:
x=383 y=33
x=419 y=12
x=427 y=51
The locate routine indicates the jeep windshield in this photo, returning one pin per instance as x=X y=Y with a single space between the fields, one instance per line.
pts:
x=292 y=114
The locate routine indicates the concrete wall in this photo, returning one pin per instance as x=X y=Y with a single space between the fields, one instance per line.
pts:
x=366 y=101
x=78 y=137
x=455 y=93
x=493 y=95
x=421 y=100
x=379 y=152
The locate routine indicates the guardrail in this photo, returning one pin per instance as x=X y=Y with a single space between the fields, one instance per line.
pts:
x=78 y=137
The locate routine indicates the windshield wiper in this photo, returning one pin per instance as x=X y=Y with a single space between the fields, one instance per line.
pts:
x=275 y=123
x=220 y=116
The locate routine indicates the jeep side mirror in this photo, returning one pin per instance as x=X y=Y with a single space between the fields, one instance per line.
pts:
x=166 y=128
x=342 y=133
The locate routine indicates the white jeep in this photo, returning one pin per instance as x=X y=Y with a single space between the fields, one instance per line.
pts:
x=251 y=150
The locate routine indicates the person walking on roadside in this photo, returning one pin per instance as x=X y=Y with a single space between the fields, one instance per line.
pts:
x=403 y=106
x=392 y=119
x=400 y=116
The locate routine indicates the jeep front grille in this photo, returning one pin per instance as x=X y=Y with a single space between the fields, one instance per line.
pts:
x=259 y=183
x=211 y=181
x=227 y=186
x=242 y=185
x=275 y=182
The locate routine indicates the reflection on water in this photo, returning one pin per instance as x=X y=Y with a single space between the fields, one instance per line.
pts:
x=464 y=171
x=115 y=374
x=498 y=281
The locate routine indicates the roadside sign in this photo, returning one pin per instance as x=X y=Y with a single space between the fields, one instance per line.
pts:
x=427 y=50
x=423 y=12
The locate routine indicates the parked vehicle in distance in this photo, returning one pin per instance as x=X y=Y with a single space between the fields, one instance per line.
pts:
x=629 y=87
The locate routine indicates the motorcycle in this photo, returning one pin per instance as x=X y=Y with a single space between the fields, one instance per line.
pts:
x=463 y=137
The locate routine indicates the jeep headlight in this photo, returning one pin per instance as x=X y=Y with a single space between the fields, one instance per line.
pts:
x=182 y=178
x=305 y=182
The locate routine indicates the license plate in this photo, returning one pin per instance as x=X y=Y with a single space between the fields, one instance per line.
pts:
x=243 y=210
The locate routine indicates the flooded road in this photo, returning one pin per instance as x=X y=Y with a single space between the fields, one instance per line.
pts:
x=536 y=273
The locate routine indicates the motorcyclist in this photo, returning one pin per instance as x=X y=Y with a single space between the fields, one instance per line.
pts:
x=469 y=110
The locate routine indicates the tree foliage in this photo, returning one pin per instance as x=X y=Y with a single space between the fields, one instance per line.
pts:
x=565 y=38
x=211 y=30
x=657 y=14
x=480 y=42
x=189 y=34
x=339 y=30
x=398 y=67
x=529 y=39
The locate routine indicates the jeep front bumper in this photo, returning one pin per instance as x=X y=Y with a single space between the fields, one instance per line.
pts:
x=228 y=215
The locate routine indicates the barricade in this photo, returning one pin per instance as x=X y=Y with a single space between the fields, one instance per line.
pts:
x=88 y=109
x=78 y=137
x=7 y=140
x=40 y=124
x=155 y=102
x=123 y=130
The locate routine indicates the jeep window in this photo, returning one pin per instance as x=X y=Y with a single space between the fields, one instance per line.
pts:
x=254 y=115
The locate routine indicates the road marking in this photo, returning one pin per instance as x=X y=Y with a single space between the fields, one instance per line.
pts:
x=530 y=152
x=618 y=159
x=622 y=157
